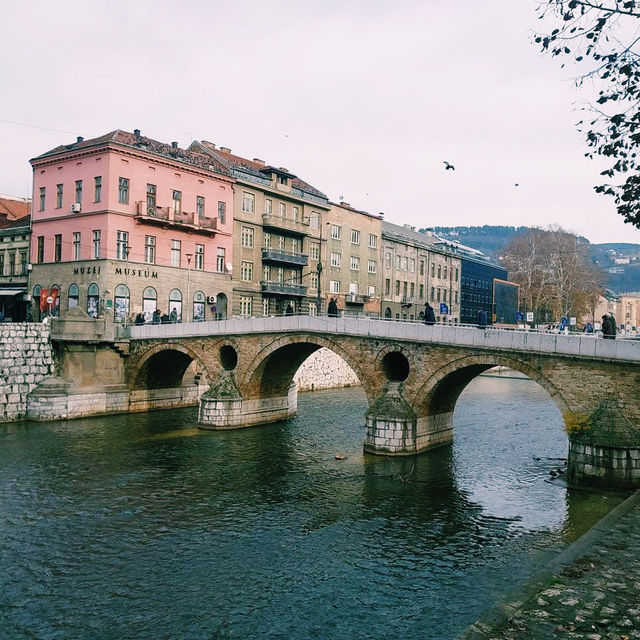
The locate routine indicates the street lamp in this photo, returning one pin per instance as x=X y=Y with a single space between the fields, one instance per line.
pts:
x=127 y=248
x=189 y=256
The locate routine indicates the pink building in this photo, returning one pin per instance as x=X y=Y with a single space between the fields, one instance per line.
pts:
x=124 y=224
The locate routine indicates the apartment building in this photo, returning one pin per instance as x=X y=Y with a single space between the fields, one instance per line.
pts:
x=418 y=268
x=276 y=236
x=124 y=224
x=14 y=267
x=351 y=260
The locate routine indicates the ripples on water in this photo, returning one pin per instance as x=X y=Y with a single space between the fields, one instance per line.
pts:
x=143 y=526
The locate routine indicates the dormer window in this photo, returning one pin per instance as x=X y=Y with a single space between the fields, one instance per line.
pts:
x=282 y=179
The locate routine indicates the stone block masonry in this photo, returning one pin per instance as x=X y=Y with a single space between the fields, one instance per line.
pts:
x=325 y=370
x=26 y=358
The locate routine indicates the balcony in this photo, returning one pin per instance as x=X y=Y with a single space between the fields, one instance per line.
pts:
x=408 y=300
x=283 y=288
x=284 y=257
x=296 y=227
x=166 y=217
x=355 y=298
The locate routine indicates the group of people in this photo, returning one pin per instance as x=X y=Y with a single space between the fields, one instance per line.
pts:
x=158 y=317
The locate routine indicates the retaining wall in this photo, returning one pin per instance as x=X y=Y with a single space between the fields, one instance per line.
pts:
x=25 y=359
x=324 y=370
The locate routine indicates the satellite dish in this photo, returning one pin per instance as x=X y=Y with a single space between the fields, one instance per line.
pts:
x=229 y=267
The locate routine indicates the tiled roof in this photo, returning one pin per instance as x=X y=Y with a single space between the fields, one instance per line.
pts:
x=142 y=143
x=14 y=207
x=256 y=168
x=7 y=224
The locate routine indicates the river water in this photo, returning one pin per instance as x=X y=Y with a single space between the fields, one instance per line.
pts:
x=142 y=526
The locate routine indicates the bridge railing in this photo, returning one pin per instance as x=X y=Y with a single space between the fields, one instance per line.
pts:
x=455 y=334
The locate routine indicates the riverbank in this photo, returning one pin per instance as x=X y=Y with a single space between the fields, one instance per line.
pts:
x=591 y=590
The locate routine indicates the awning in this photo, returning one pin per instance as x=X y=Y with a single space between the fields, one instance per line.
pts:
x=11 y=292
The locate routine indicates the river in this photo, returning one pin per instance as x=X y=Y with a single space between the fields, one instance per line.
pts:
x=142 y=526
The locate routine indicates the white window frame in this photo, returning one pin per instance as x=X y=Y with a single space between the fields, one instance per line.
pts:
x=334 y=286
x=354 y=263
x=372 y=266
x=336 y=259
x=355 y=236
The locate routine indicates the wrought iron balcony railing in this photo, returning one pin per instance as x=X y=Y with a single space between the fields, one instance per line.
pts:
x=287 y=257
x=283 y=288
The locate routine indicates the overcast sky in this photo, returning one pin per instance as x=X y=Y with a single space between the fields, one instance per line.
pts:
x=364 y=99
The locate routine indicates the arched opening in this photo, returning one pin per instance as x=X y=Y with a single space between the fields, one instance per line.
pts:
x=93 y=296
x=149 y=303
x=121 y=303
x=35 y=303
x=387 y=312
x=167 y=369
x=175 y=304
x=73 y=296
x=219 y=309
x=198 y=306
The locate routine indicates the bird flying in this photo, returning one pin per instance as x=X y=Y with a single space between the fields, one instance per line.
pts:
x=448 y=165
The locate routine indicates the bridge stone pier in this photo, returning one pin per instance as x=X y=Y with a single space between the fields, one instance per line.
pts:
x=412 y=374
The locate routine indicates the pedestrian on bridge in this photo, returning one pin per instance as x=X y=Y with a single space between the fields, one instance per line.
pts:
x=429 y=314
x=289 y=310
x=332 y=308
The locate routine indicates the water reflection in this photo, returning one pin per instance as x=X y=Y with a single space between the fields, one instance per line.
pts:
x=131 y=526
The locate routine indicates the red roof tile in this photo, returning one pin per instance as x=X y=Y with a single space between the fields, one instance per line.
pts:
x=14 y=207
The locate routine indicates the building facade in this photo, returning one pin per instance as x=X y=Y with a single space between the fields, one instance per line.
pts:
x=14 y=267
x=276 y=236
x=477 y=286
x=124 y=224
x=418 y=268
x=351 y=245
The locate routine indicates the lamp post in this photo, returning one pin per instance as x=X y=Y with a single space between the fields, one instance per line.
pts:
x=127 y=248
x=189 y=256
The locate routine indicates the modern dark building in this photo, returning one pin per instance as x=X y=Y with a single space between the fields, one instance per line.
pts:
x=477 y=285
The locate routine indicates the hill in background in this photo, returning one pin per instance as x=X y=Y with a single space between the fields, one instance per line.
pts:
x=620 y=260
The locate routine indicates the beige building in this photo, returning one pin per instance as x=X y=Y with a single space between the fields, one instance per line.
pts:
x=418 y=268
x=276 y=236
x=351 y=260
x=625 y=308
x=15 y=236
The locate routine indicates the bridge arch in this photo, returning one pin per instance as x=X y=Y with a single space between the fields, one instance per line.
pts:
x=163 y=366
x=440 y=392
x=272 y=370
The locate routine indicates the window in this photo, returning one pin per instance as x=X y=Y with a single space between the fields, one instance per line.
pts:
x=23 y=263
x=151 y=199
x=2 y=264
x=93 y=294
x=295 y=245
x=295 y=212
x=397 y=287
x=96 y=243
x=388 y=260
x=43 y=197
x=314 y=220
x=371 y=291
x=222 y=212
x=246 y=271
x=72 y=298
x=57 y=247
x=198 y=306
x=266 y=273
x=280 y=274
x=336 y=232
x=200 y=206
x=265 y=307
x=246 y=239
x=433 y=271
x=387 y=286
x=412 y=290
x=405 y=263
x=245 y=306
x=122 y=249
x=445 y=272
x=353 y=288
x=334 y=286
x=421 y=292
x=421 y=267
x=76 y=245
x=398 y=262
x=313 y=309
x=267 y=240
x=282 y=180
x=438 y=294
x=123 y=190
x=314 y=251
x=121 y=303
x=97 y=189
x=444 y=295
x=268 y=206
x=12 y=263
x=373 y=241
x=248 y=202
x=199 y=257
x=456 y=275
x=58 y=196
x=220 y=262
x=355 y=263
x=412 y=265
x=150 y=249
x=313 y=280
x=336 y=259
x=79 y=191
x=175 y=303
x=283 y=210
x=372 y=266
x=176 y=250
x=355 y=236
x=281 y=243
x=439 y=271
x=432 y=293
x=176 y=201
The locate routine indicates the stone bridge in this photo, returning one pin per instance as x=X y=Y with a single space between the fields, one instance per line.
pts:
x=241 y=371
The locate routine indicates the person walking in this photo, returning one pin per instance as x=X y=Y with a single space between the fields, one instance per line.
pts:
x=289 y=310
x=429 y=314
x=606 y=327
x=155 y=319
x=332 y=308
x=613 y=329
x=482 y=318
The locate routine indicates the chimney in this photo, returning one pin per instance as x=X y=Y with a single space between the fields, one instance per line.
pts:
x=259 y=161
x=211 y=144
x=174 y=145
x=225 y=149
x=410 y=227
x=284 y=169
x=79 y=139
x=136 y=133
x=429 y=232
x=344 y=204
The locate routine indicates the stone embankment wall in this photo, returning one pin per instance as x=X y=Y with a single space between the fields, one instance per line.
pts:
x=325 y=370
x=25 y=359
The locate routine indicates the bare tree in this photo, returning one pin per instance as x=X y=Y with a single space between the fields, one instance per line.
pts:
x=555 y=272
